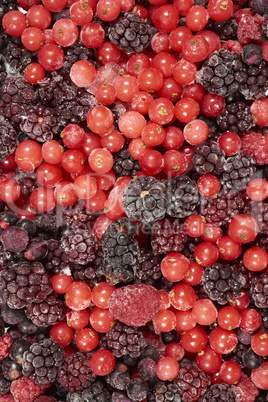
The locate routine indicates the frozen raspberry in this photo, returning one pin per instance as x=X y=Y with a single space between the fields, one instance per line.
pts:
x=26 y=390
x=254 y=144
x=232 y=45
x=5 y=343
x=250 y=29
x=15 y=239
x=134 y=305
x=246 y=390
x=7 y=398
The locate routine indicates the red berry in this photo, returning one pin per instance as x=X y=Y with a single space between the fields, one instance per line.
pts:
x=102 y=362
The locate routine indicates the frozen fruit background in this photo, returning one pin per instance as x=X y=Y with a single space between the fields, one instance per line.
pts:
x=133 y=200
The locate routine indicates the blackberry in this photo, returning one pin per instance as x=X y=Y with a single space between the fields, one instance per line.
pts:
x=164 y=391
x=137 y=390
x=75 y=373
x=221 y=209
x=17 y=90
x=130 y=33
x=8 y=138
x=191 y=382
x=219 y=392
x=265 y=25
x=40 y=123
x=5 y=385
x=152 y=352
x=168 y=236
x=208 y=158
x=125 y=340
x=47 y=222
x=26 y=180
x=76 y=214
x=17 y=58
x=80 y=246
x=94 y=393
x=144 y=200
x=50 y=311
x=91 y=273
x=148 y=268
x=42 y=361
x=238 y=171
x=259 y=211
x=124 y=164
x=221 y=73
x=236 y=117
x=256 y=84
x=24 y=283
x=222 y=282
x=75 y=53
x=182 y=197
x=56 y=260
x=225 y=29
x=120 y=377
x=251 y=360
x=259 y=290
x=70 y=103
x=120 y=250
x=213 y=133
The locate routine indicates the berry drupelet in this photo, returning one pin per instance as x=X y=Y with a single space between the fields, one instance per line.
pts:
x=145 y=200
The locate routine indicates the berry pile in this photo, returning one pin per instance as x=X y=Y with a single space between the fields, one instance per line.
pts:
x=133 y=200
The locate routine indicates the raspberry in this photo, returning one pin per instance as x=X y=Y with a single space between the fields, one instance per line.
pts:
x=254 y=144
x=134 y=305
x=232 y=45
x=26 y=390
x=250 y=29
x=5 y=343
x=246 y=390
